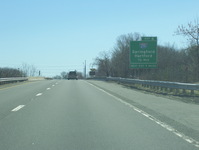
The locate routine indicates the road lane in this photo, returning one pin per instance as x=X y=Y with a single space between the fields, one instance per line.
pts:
x=75 y=115
x=14 y=95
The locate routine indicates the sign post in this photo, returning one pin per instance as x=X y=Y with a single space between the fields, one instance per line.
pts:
x=143 y=54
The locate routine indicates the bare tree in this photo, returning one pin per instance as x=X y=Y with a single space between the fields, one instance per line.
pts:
x=117 y=62
x=63 y=75
x=32 y=70
x=29 y=70
x=103 y=63
x=120 y=56
x=191 y=31
x=10 y=72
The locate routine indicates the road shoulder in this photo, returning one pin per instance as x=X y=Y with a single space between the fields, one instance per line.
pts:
x=182 y=116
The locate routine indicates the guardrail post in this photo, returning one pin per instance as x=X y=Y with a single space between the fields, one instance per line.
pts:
x=177 y=91
x=192 y=92
x=184 y=91
x=171 y=90
x=161 y=88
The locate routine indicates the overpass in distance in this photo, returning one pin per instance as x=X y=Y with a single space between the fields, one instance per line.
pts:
x=89 y=115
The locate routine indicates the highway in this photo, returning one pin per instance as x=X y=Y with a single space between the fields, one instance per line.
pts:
x=93 y=115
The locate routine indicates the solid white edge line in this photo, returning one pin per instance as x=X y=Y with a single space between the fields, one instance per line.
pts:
x=162 y=124
x=18 y=108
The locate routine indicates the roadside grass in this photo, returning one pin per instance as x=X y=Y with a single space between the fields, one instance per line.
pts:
x=184 y=95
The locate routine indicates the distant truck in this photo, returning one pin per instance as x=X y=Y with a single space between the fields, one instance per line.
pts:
x=72 y=75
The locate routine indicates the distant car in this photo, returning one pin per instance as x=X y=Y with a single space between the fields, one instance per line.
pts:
x=72 y=75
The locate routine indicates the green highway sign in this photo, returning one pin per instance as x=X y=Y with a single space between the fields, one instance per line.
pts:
x=149 y=38
x=143 y=54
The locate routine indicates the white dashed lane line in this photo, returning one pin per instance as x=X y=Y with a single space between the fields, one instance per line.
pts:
x=39 y=94
x=18 y=108
x=21 y=106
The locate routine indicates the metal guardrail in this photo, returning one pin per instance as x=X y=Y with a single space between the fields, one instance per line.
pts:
x=152 y=83
x=165 y=84
x=13 y=79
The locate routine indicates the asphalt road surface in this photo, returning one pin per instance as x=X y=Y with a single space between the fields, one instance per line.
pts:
x=87 y=115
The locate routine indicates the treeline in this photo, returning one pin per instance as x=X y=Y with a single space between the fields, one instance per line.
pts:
x=173 y=64
x=10 y=72
x=24 y=71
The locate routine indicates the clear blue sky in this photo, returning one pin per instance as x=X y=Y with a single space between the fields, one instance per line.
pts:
x=59 y=35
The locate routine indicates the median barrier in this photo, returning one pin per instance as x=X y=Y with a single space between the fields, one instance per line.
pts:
x=12 y=80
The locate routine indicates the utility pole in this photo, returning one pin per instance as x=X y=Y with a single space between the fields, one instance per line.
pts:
x=85 y=69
